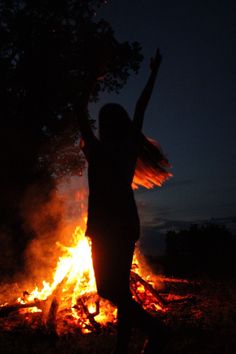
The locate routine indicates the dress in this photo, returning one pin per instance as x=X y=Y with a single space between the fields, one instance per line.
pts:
x=113 y=222
x=111 y=205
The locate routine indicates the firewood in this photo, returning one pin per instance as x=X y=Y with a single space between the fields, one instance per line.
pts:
x=7 y=309
x=90 y=316
x=136 y=278
x=187 y=298
x=52 y=316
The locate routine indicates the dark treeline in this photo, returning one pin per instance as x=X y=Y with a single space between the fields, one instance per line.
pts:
x=207 y=250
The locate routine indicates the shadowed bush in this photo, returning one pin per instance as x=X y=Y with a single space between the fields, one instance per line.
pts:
x=202 y=250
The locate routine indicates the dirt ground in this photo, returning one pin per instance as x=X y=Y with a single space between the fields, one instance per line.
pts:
x=202 y=322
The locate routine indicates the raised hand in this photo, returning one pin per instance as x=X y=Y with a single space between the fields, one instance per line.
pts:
x=156 y=61
x=144 y=98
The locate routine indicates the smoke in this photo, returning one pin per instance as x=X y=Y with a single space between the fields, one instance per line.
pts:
x=7 y=255
x=51 y=221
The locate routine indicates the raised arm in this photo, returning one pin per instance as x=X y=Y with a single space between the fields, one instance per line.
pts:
x=96 y=74
x=143 y=100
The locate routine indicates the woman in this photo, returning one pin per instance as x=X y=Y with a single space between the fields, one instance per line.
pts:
x=120 y=153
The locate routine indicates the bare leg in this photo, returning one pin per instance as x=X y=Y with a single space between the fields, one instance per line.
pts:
x=112 y=261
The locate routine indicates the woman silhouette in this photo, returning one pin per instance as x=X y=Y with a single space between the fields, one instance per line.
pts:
x=120 y=153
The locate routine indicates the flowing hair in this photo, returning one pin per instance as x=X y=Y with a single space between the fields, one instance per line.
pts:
x=152 y=164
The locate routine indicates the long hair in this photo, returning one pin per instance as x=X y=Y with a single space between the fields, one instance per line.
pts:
x=152 y=164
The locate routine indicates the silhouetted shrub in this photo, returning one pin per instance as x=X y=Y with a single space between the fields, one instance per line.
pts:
x=202 y=250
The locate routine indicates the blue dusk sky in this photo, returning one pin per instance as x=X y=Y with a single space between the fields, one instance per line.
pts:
x=193 y=106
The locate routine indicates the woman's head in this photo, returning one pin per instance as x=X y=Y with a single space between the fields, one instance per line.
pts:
x=114 y=122
x=151 y=166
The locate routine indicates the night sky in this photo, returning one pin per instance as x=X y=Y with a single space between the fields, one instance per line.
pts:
x=192 y=110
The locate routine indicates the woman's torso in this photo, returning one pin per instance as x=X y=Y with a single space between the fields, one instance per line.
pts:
x=112 y=208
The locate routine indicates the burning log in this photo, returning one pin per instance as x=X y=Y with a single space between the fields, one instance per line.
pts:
x=81 y=304
x=88 y=310
x=50 y=305
x=163 y=299
x=5 y=310
x=135 y=278
x=173 y=298
x=52 y=317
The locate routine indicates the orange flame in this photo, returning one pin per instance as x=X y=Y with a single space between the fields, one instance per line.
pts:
x=74 y=276
x=72 y=286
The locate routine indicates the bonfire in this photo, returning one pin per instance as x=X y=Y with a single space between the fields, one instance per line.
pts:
x=70 y=301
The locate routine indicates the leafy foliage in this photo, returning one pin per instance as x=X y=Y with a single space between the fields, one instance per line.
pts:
x=48 y=52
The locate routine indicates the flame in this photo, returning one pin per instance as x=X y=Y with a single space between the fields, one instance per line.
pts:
x=73 y=280
x=71 y=290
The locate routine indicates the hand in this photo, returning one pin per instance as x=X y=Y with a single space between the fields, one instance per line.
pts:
x=156 y=61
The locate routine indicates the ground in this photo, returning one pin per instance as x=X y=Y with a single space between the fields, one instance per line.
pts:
x=202 y=323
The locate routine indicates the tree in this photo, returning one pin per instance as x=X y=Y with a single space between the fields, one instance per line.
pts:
x=48 y=50
x=208 y=249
